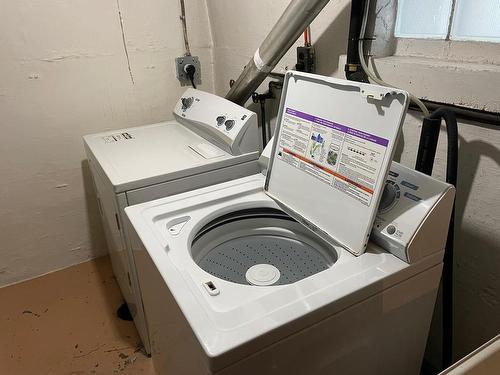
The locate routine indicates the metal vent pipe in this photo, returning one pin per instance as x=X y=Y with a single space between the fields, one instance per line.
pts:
x=296 y=17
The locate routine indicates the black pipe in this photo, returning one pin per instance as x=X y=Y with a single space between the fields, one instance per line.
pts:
x=425 y=160
x=463 y=112
x=427 y=145
x=353 y=69
x=265 y=136
x=451 y=177
x=261 y=99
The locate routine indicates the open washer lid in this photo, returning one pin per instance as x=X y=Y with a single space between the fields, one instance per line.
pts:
x=332 y=149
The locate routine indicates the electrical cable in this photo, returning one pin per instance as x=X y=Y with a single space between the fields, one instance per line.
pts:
x=190 y=70
x=184 y=28
x=191 y=78
x=366 y=69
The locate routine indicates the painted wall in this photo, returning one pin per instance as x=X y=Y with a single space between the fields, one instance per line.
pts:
x=64 y=72
x=238 y=28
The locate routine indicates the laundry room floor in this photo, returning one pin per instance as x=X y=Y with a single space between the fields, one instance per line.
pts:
x=65 y=323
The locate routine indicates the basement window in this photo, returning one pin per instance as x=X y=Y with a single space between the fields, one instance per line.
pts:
x=461 y=20
x=446 y=51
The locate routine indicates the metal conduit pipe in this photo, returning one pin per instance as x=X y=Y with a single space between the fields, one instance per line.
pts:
x=296 y=17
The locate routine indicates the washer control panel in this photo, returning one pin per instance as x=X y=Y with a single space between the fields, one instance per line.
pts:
x=390 y=196
x=408 y=198
x=226 y=124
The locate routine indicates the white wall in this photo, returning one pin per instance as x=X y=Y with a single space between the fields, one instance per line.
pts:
x=63 y=74
x=238 y=28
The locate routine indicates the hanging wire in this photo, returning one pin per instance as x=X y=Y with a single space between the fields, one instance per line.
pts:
x=184 y=28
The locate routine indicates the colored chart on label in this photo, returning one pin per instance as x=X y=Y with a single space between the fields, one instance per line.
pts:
x=348 y=159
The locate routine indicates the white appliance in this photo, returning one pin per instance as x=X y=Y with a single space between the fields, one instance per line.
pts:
x=211 y=140
x=485 y=360
x=275 y=274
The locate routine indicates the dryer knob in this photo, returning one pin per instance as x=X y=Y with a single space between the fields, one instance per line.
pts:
x=186 y=103
x=220 y=120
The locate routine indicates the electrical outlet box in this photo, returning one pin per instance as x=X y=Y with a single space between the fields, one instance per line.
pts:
x=181 y=62
x=306 y=59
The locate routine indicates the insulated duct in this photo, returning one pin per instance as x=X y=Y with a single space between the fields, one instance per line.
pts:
x=296 y=17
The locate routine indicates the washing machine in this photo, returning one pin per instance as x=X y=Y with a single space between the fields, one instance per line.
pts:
x=211 y=140
x=321 y=265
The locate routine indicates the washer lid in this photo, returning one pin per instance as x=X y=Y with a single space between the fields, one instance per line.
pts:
x=332 y=149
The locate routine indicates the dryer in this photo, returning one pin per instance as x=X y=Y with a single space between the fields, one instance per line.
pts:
x=210 y=141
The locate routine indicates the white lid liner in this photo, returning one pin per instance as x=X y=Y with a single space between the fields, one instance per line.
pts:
x=333 y=146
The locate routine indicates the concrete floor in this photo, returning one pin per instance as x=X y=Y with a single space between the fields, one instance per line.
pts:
x=65 y=323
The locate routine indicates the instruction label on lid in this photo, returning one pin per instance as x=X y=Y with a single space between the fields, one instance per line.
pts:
x=347 y=159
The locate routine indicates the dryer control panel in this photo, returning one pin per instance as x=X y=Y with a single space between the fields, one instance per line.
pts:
x=226 y=124
x=413 y=215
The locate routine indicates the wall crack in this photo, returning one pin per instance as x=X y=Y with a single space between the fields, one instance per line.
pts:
x=124 y=41
x=377 y=11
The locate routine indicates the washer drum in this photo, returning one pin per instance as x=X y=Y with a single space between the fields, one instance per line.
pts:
x=261 y=247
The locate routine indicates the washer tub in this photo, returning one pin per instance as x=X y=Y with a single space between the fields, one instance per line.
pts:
x=260 y=246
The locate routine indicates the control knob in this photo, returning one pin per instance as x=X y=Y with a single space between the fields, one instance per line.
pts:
x=186 y=103
x=390 y=196
x=220 y=120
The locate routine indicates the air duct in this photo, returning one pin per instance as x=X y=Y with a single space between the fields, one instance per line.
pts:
x=296 y=17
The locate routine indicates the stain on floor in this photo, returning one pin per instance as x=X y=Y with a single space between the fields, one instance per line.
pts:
x=65 y=323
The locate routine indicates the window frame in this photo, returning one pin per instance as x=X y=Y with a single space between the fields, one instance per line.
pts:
x=430 y=36
x=439 y=64
x=449 y=29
